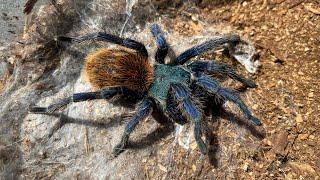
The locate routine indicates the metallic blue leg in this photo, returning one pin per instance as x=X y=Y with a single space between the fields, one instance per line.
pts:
x=212 y=67
x=162 y=50
x=213 y=87
x=142 y=112
x=101 y=36
x=78 y=97
x=206 y=46
x=182 y=95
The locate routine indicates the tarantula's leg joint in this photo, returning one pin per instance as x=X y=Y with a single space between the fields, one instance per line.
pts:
x=101 y=36
x=162 y=45
x=182 y=95
x=142 y=112
x=78 y=97
x=213 y=87
x=206 y=46
x=212 y=67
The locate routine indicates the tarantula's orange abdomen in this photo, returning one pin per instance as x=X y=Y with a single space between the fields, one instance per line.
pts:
x=118 y=68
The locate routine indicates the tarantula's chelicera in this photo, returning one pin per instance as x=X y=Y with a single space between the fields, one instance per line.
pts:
x=127 y=73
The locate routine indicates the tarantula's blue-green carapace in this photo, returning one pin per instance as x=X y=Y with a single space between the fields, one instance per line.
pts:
x=126 y=73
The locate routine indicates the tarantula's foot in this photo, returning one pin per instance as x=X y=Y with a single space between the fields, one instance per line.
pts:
x=50 y=109
x=202 y=147
x=41 y=110
x=255 y=121
x=64 y=38
x=118 y=149
x=234 y=38
x=38 y=110
x=250 y=83
x=197 y=135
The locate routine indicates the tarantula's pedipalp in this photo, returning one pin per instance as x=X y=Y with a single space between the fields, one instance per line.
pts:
x=101 y=36
x=142 y=112
x=212 y=67
x=162 y=45
x=213 y=87
x=182 y=95
x=77 y=97
x=206 y=46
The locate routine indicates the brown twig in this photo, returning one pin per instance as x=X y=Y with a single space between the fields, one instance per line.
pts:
x=296 y=4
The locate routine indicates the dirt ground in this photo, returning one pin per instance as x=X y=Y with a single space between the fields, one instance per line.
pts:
x=286 y=35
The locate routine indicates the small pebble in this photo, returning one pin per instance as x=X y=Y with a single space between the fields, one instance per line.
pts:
x=299 y=118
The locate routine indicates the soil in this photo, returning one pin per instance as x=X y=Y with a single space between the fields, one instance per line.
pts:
x=286 y=36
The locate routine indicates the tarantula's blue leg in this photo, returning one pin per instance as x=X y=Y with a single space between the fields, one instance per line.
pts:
x=104 y=94
x=210 y=66
x=101 y=36
x=162 y=50
x=213 y=87
x=182 y=95
x=142 y=112
x=206 y=46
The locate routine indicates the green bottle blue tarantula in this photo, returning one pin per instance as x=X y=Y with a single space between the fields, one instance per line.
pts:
x=127 y=73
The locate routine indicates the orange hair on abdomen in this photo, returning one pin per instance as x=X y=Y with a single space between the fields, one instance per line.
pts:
x=118 y=68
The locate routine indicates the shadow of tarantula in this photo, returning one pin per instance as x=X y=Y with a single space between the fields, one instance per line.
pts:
x=177 y=89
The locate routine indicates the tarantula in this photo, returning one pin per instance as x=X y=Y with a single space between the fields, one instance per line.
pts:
x=127 y=73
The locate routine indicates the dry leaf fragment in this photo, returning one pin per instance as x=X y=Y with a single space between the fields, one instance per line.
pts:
x=280 y=142
x=194 y=168
x=302 y=168
x=193 y=145
x=303 y=136
x=299 y=118
x=311 y=9
x=310 y=95
x=162 y=168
